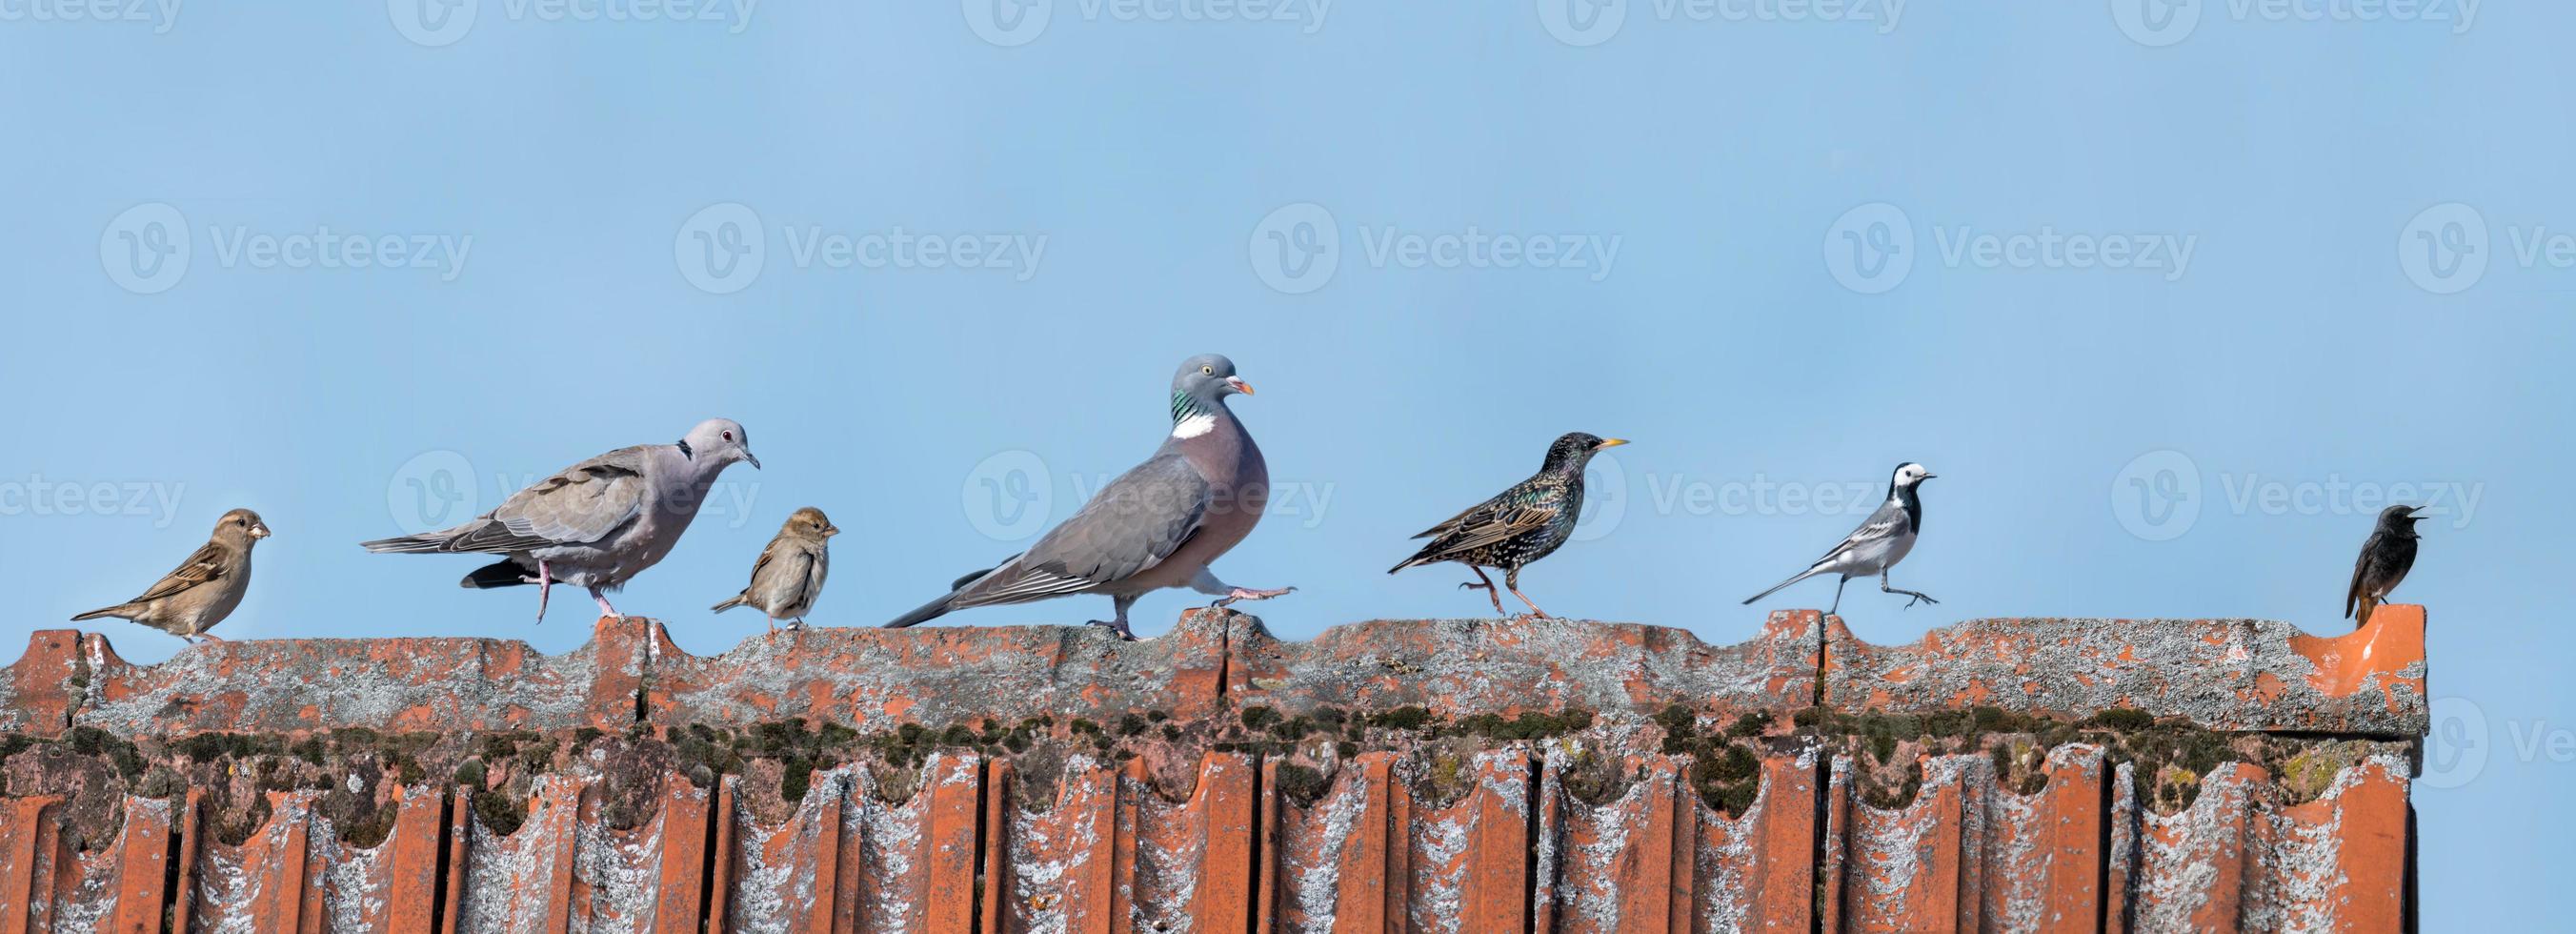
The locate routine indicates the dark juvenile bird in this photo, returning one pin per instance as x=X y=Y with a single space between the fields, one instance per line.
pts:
x=205 y=588
x=789 y=574
x=1158 y=525
x=1519 y=525
x=1882 y=540
x=2385 y=558
x=596 y=524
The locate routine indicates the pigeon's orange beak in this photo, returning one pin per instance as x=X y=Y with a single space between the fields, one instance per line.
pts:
x=1239 y=385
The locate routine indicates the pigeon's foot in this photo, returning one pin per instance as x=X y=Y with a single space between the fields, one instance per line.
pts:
x=1247 y=593
x=1118 y=626
x=545 y=588
x=604 y=606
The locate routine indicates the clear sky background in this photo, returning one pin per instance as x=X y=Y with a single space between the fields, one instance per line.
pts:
x=2247 y=278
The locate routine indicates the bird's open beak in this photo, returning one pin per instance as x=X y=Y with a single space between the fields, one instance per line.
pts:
x=1239 y=385
x=1609 y=443
x=259 y=531
x=755 y=462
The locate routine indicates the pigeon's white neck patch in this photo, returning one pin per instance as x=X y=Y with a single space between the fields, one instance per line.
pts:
x=1194 y=426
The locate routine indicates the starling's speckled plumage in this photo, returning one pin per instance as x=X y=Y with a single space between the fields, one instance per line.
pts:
x=203 y=589
x=2385 y=559
x=1518 y=526
x=789 y=575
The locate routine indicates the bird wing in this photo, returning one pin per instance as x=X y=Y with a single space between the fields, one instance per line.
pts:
x=205 y=566
x=2360 y=572
x=1133 y=524
x=1883 y=525
x=1517 y=511
x=581 y=504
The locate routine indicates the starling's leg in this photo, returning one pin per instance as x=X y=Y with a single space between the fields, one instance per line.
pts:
x=1488 y=588
x=1838 y=595
x=1119 y=624
x=1909 y=604
x=604 y=605
x=1512 y=579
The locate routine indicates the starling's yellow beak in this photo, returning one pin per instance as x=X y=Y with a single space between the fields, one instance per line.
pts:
x=1609 y=443
x=1239 y=385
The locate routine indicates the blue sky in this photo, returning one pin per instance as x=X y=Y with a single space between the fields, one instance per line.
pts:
x=2173 y=297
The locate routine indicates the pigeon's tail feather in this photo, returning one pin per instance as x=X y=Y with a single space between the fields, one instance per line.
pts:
x=738 y=600
x=120 y=611
x=1776 y=588
x=925 y=613
x=495 y=574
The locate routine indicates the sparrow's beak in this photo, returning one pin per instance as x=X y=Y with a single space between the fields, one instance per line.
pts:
x=259 y=530
x=755 y=462
x=1609 y=443
x=831 y=530
x=1239 y=385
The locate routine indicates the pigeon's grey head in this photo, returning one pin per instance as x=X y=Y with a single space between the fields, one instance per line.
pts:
x=809 y=523
x=1574 y=450
x=2400 y=518
x=1207 y=378
x=1909 y=474
x=240 y=527
x=717 y=443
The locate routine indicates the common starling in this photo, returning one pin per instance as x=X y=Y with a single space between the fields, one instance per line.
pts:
x=1882 y=540
x=789 y=575
x=2385 y=558
x=204 y=589
x=1519 y=525
x=599 y=522
x=1158 y=525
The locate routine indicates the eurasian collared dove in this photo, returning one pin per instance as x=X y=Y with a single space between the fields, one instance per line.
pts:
x=599 y=522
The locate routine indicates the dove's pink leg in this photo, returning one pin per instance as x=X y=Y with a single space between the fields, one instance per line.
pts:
x=604 y=606
x=545 y=586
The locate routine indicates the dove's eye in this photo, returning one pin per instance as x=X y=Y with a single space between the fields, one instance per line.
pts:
x=1209 y=370
x=728 y=435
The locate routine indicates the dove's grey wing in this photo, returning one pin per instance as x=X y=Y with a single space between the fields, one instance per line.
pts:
x=1134 y=523
x=582 y=504
x=204 y=567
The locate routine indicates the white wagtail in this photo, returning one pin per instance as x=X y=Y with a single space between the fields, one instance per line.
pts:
x=1880 y=542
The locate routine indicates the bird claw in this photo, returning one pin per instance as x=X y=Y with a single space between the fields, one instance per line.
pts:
x=1475 y=586
x=1247 y=593
x=1914 y=598
x=1116 y=626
